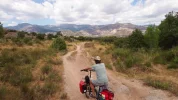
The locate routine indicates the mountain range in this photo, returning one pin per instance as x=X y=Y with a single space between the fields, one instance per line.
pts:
x=117 y=29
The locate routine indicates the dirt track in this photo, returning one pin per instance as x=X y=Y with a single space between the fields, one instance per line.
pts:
x=124 y=89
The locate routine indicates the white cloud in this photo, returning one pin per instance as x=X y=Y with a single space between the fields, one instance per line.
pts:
x=12 y=24
x=88 y=11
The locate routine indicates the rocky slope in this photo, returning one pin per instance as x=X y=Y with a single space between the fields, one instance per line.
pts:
x=118 y=29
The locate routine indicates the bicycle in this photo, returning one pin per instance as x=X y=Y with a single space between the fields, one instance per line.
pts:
x=101 y=92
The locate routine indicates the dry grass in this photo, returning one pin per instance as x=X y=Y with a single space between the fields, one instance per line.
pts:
x=157 y=76
x=96 y=49
x=162 y=83
x=71 y=46
x=50 y=87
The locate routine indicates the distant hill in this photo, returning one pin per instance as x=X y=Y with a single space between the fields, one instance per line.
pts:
x=118 y=29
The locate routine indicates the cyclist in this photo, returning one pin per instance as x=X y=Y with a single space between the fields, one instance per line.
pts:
x=100 y=70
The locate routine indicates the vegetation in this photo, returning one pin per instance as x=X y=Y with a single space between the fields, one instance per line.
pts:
x=1 y=31
x=136 y=40
x=142 y=55
x=59 y=44
x=21 y=34
x=162 y=84
x=169 y=31
x=40 y=36
x=152 y=37
x=19 y=74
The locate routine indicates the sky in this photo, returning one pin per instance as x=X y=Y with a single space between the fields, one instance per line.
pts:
x=93 y=12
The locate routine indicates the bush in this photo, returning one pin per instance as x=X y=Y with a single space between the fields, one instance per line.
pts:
x=162 y=84
x=28 y=93
x=136 y=40
x=49 y=88
x=20 y=76
x=3 y=92
x=121 y=52
x=130 y=61
x=55 y=62
x=17 y=64
x=59 y=44
x=121 y=42
x=21 y=34
x=40 y=36
x=169 y=32
x=28 y=41
x=54 y=77
x=172 y=66
x=17 y=41
x=50 y=36
x=46 y=69
x=1 y=31
x=157 y=83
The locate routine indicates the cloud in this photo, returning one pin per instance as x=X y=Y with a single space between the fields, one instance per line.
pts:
x=13 y=24
x=88 y=11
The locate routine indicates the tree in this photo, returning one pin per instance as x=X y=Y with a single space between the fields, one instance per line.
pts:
x=59 y=44
x=40 y=36
x=136 y=40
x=1 y=31
x=121 y=42
x=50 y=36
x=152 y=36
x=169 y=31
x=59 y=33
x=21 y=34
x=34 y=33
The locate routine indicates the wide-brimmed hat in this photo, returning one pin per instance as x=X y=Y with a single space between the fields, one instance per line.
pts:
x=96 y=58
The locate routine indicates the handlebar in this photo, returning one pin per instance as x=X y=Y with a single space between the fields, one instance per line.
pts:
x=84 y=70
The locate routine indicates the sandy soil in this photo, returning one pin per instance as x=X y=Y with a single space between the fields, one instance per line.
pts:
x=123 y=88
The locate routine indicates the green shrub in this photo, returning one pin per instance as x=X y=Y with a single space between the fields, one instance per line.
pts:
x=17 y=41
x=109 y=66
x=28 y=93
x=49 y=88
x=50 y=36
x=21 y=76
x=16 y=65
x=3 y=92
x=59 y=44
x=37 y=41
x=40 y=36
x=121 y=42
x=121 y=52
x=175 y=60
x=28 y=41
x=148 y=64
x=158 y=84
x=136 y=40
x=21 y=34
x=54 y=77
x=120 y=66
x=55 y=62
x=19 y=57
x=162 y=84
x=46 y=69
x=172 y=66
x=130 y=61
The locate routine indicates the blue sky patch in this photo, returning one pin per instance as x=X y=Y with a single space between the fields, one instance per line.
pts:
x=38 y=1
x=136 y=1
